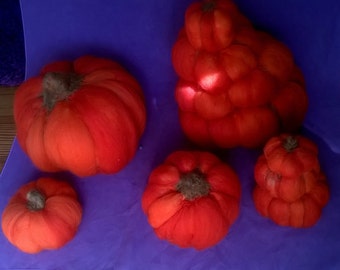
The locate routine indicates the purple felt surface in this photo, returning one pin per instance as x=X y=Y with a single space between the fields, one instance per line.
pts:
x=114 y=233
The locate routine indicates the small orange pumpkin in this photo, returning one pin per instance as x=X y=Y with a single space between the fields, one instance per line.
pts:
x=85 y=116
x=192 y=199
x=289 y=166
x=43 y=214
x=290 y=187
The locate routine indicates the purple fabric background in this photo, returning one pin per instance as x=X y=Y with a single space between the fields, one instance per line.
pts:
x=114 y=233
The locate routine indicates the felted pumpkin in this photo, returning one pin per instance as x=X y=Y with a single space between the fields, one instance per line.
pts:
x=301 y=213
x=85 y=116
x=289 y=167
x=238 y=95
x=192 y=199
x=290 y=187
x=42 y=215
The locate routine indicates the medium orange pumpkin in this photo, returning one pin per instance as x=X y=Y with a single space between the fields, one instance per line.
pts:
x=85 y=116
x=43 y=214
x=192 y=199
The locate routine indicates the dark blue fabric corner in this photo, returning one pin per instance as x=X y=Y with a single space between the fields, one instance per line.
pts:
x=12 y=48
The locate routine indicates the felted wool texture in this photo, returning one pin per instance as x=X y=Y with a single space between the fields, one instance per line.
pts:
x=114 y=233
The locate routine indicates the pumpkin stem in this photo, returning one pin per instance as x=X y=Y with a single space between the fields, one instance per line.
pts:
x=193 y=185
x=58 y=86
x=290 y=143
x=208 y=6
x=35 y=200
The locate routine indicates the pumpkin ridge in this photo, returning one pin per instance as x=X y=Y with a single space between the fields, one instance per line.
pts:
x=57 y=155
x=217 y=202
x=27 y=109
x=168 y=216
x=169 y=220
x=312 y=198
x=304 y=209
x=25 y=135
x=291 y=217
x=121 y=105
x=36 y=248
x=53 y=232
x=69 y=228
x=79 y=115
x=60 y=201
x=8 y=227
x=28 y=148
x=133 y=106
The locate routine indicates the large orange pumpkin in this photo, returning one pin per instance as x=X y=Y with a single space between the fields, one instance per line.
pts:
x=290 y=187
x=85 y=116
x=238 y=94
x=192 y=199
x=43 y=214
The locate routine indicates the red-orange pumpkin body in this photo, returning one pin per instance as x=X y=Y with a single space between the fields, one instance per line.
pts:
x=192 y=199
x=213 y=72
x=85 y=116
x=289 y=166
x=238 y=95
x=290 y=186
x=210 y=25
x=301 y=213
x=43 y=214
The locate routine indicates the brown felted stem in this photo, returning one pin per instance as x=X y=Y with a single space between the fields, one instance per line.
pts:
x=58 y=86
x=208 y=6
x=193 y=185
x=35 y=200
x=290 y=143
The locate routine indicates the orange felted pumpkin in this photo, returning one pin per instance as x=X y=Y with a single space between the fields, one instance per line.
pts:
x=238 y=94
x=289 y=166
x=85 y=116
x=290 y=187
x=43 y=214
x=192 y=199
